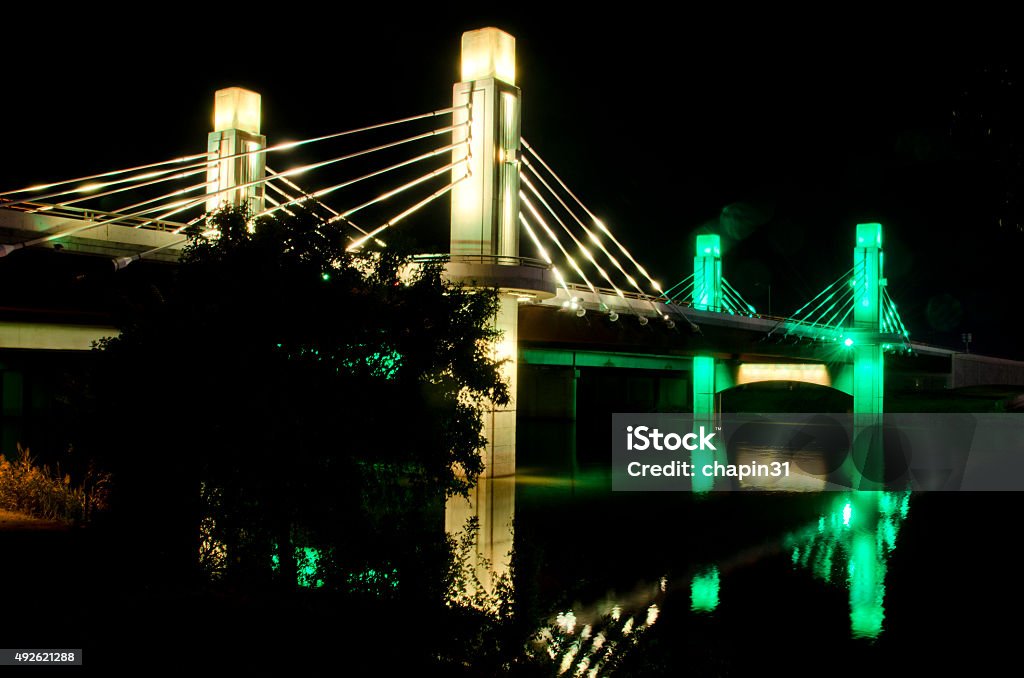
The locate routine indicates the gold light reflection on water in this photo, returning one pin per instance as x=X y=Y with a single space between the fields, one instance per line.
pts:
x=807 y=470
x=582 y=641
x=491 y=506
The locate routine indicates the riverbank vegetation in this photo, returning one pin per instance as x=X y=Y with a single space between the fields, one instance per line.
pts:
x=50 y=493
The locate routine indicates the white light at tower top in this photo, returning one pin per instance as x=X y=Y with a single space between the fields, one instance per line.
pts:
x=236 y=108
x=488 y=53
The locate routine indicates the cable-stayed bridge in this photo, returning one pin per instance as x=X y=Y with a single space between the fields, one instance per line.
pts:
x=573 y=294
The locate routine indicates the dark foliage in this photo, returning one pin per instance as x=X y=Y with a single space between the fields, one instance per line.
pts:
x=292 y=393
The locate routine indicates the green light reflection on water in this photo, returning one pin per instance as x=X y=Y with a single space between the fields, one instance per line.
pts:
x=704 y=590
x=859 y=532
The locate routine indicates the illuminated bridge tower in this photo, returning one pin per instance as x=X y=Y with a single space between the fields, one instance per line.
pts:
x=707 y=296
x=868 y=356
x=485 y=253
x=485 y=212
x=236 y=131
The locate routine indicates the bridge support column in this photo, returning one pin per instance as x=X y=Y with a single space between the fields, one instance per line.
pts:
x=236 y=130
x=500 y=422
x=707 y=295
x=868 y=357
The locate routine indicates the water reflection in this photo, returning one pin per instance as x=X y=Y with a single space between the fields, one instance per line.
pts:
x=587 y=649
x=852 y=544
x=848 y=545
x=808 y=471
x=704 y=589
x=491 y=506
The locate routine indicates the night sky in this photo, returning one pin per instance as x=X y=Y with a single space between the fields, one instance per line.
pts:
x=778 y=137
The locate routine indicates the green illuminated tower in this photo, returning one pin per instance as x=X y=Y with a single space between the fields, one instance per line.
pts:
x=707 y=296
x=868 y=358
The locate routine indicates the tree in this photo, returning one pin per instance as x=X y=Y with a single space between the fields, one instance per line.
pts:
x=291 y=395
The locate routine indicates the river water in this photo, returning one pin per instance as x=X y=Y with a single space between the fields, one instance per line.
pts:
x=663 y=583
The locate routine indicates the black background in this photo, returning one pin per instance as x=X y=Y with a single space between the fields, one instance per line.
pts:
x=781 y=131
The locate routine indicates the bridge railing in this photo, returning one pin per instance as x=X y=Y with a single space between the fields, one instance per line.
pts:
x=605 y=292
x=496 y=259
x=82 y=214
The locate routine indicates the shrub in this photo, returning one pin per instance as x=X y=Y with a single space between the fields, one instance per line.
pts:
x=39 y=491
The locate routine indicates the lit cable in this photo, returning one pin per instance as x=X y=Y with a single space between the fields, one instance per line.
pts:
x=196 y=156
x=543 y=252
x=592 y=216
x=316 y=195
x=290 y=199
x=847 y=306
x=840 y=279
x=590 y=234
x=269 y=198
x=583 y=250
x=395 y=191
x=667 y=292
x=896 y=314
x=738 y=296
x=554 y=238
x=433 y=196
x=174 y=194
x=43 y=187
x=172 y=175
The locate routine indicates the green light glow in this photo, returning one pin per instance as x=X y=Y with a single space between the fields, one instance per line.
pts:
x=708 y=294
x=867 y=586
x=707 y=274
x=703 y=413
x=309 y=572
x=871 y=234
x=307 y=566
x=851 y=545
x=373 y=580
x=848 y=342
x=868 y=358
x=704 y=590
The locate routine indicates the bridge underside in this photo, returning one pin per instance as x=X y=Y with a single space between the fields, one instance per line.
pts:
x=735 y=342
